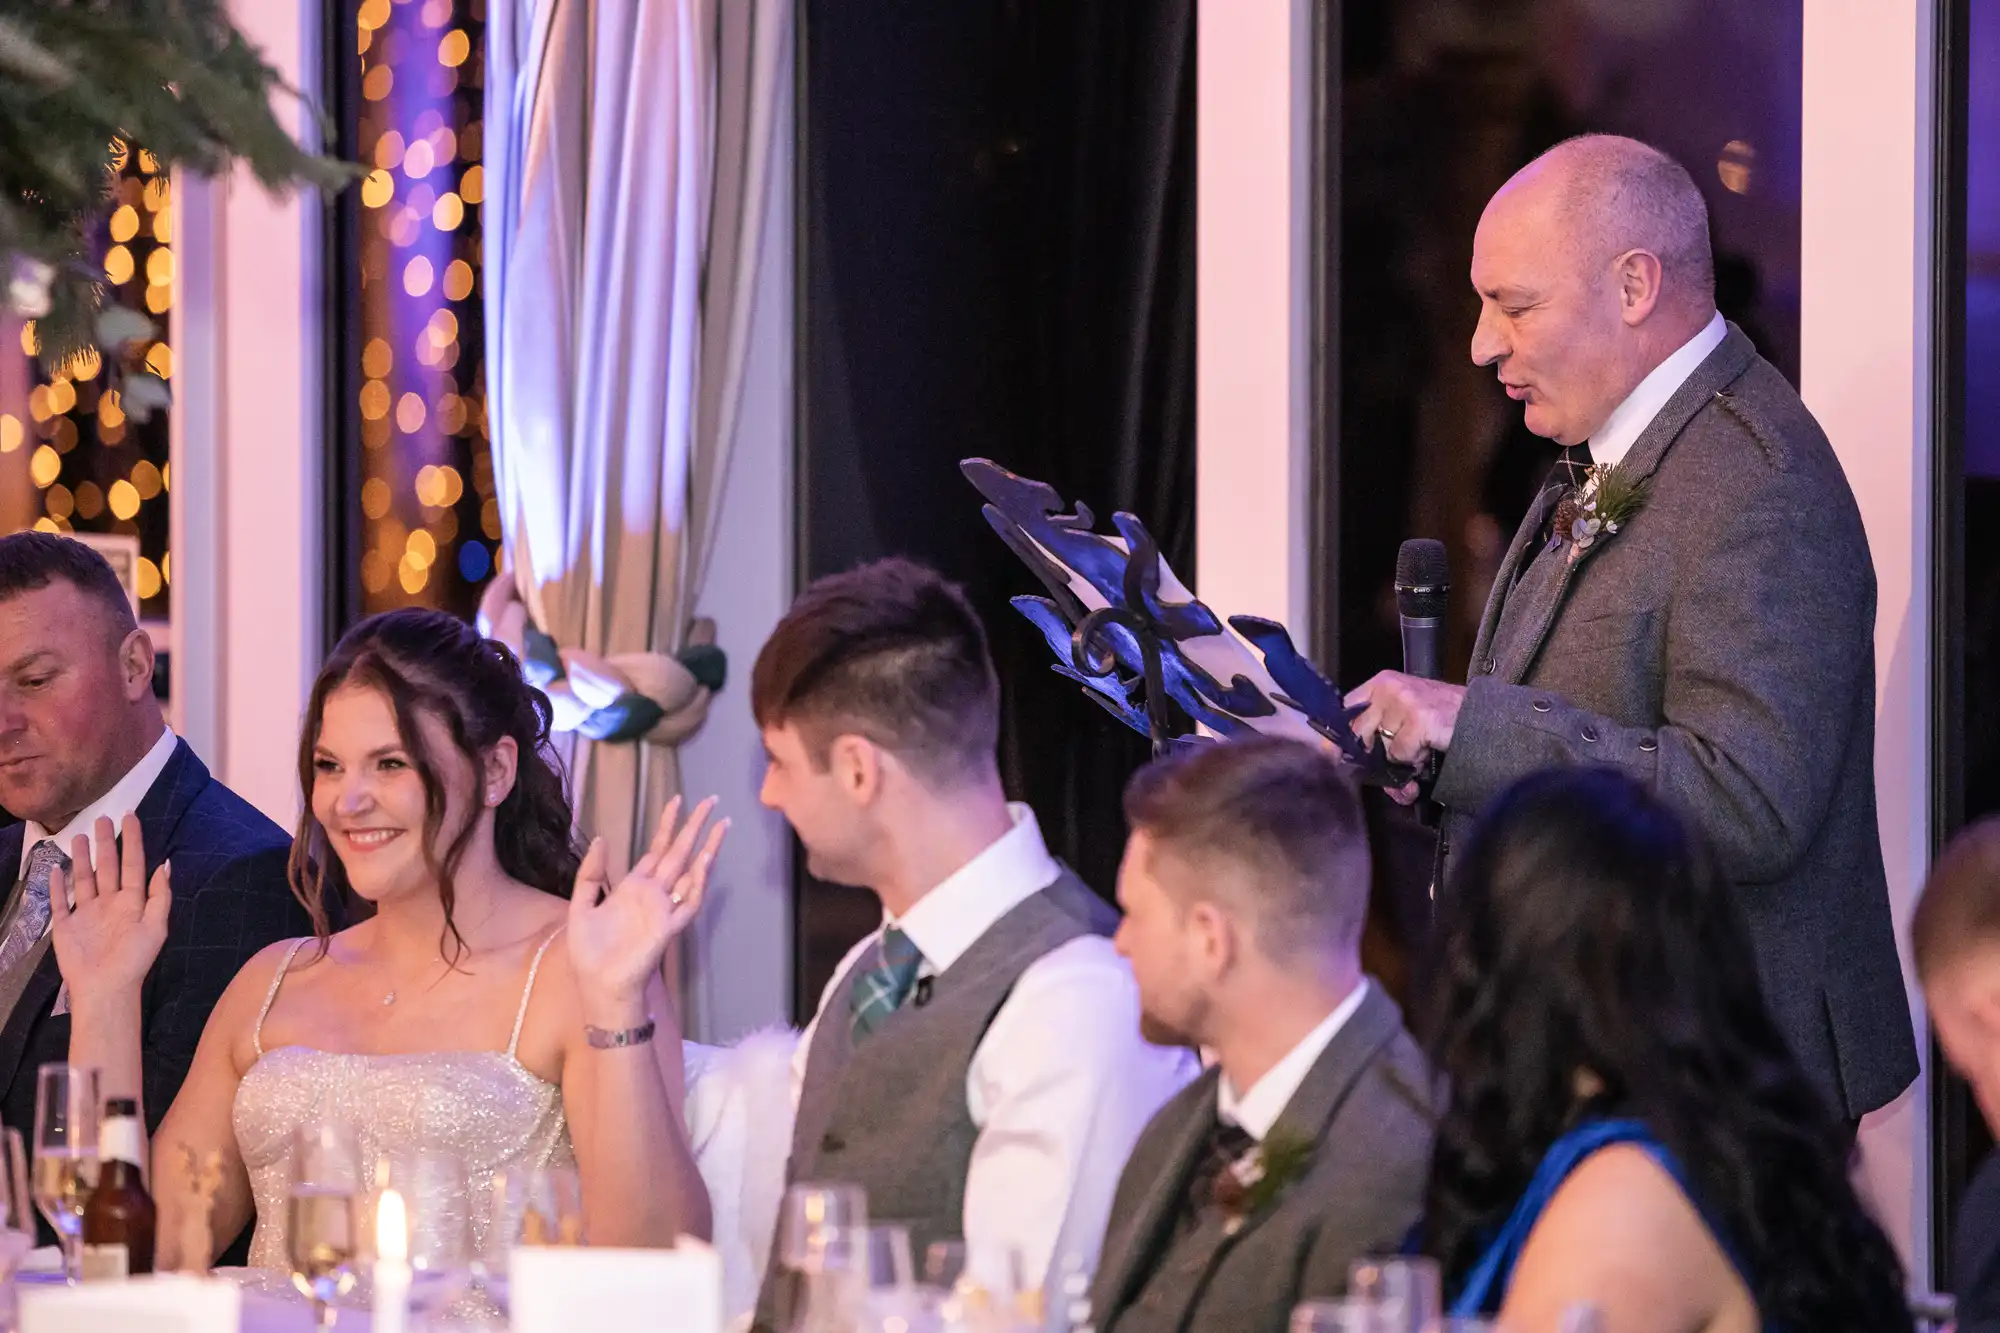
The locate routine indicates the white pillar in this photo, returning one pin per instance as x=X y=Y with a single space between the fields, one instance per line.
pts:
x=247 y=449
x=1866 y=211
x=1253 y=71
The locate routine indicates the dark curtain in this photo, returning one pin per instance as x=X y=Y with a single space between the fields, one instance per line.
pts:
x=998 y=260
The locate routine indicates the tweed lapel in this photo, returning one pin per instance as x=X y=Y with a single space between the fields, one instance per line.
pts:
x=1310 y=1112
x=1307 y=1116
x=1160 y=1209
x=1522 y=550
x=1722 y=368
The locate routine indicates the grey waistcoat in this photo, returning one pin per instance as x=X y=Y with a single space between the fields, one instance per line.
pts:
x=890 y=1114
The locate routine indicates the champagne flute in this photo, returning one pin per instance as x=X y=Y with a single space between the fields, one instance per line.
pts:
x=66 y=1109
x=320 y=1232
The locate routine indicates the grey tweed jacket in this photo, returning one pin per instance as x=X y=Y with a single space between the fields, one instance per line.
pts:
x=1720 y=648
x=1366 y=1109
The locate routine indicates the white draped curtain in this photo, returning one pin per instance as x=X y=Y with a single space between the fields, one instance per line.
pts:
x=628 y=145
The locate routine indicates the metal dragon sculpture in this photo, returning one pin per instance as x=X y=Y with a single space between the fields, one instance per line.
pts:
x=1143 y=648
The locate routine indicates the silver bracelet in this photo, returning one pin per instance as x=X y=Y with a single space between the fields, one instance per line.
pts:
x=604 y=1039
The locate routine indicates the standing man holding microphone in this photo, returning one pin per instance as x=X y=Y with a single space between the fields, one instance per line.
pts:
x=1690 y=599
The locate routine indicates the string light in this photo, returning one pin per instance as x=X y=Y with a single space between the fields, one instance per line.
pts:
x=422 y=138
x=10 y=433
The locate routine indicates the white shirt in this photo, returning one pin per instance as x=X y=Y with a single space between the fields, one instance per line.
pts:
x=1614 y=439
x=1259 y=1108
x=1062 y=1083
x=114 y=805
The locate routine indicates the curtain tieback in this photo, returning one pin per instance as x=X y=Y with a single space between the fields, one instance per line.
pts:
x=660 y=698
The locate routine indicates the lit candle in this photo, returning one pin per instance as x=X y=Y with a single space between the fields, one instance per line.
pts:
x=392 y=1266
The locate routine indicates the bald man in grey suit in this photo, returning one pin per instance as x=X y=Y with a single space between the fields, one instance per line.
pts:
x=1690 y=600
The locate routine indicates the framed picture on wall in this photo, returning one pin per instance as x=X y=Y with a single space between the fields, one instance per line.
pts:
x=121 y=552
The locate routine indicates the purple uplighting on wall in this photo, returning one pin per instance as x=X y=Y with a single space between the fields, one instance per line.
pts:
x=430 y=522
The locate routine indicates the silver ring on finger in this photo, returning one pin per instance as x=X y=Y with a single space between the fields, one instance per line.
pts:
x=1386 y=734
x=676 y=898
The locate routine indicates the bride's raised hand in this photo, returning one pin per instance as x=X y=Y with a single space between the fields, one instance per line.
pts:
x=618 y=934
x=108 y=922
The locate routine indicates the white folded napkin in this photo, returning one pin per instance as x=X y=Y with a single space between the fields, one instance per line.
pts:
x=560 y=1289
x=170 y=1303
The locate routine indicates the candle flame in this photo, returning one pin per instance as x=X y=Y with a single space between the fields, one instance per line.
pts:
x=392 y=1230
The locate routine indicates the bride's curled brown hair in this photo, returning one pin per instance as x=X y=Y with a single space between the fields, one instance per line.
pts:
x=428 y=662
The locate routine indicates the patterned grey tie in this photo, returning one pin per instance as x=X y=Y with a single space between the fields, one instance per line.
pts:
x=32 y=922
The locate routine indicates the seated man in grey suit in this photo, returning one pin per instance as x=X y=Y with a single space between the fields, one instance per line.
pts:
x=976 y=1063
x=1306 y=1146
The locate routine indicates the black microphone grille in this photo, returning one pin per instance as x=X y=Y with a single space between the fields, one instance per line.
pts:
x=1423 y=578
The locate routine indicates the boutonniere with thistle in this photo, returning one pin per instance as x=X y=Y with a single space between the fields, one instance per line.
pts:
x=1596 y=510
x=1254 y=1181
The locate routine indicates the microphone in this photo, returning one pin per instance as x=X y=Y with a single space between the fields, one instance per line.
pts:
x=1423 y=591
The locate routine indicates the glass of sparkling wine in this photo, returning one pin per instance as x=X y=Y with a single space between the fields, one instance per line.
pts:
x=320 y=1232
x=66 y=1110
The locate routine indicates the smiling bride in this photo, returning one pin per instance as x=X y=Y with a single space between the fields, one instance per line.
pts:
x=503 y=1004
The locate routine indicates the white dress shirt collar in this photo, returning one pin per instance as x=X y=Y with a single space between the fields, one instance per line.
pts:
x=1259 y=1108
x=120 y=801
x=1614 y=439
x=945 y=922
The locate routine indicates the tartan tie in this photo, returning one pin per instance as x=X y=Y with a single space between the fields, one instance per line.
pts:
x=881 y=990
x=32 y=921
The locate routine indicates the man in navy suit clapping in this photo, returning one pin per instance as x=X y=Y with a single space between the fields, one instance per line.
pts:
x=83 y=746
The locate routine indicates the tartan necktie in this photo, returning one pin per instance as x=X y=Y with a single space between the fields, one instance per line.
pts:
x=32 y=921
x=881 y=990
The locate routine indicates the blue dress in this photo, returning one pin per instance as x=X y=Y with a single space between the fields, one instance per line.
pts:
x=1486 y=1284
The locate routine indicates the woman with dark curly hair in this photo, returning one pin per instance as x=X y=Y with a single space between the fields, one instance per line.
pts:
x=1627 y=1128
x=499 y=1006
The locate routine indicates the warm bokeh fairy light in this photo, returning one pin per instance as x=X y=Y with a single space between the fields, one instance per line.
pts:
x=95 y=468
x=426 y=538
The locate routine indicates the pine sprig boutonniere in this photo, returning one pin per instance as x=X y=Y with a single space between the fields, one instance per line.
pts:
x=1254 y=1181
x=1608 y=499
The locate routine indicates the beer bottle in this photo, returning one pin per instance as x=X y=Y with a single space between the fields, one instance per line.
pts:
x=118 y=1221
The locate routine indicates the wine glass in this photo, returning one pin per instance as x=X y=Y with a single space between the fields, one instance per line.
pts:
x=433 y=1186
x=66 y=1110
x=1408 y=1290
x=534 y=1206
x=321 y=1235
x=817 y=1226
x=821 y=1256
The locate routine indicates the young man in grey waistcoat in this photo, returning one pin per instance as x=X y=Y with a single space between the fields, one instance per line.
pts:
x=976 y=1062
x=1305 y=1146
